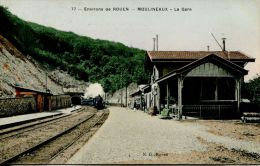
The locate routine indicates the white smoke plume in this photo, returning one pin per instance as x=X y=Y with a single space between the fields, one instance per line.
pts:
x=94 y=90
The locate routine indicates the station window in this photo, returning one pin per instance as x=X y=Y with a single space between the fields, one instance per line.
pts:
x=226 y=89
x=208 y=87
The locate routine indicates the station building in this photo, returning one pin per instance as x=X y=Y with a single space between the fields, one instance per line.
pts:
x=197 y=83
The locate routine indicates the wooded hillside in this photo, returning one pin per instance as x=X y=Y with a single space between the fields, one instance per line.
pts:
x=112 y=64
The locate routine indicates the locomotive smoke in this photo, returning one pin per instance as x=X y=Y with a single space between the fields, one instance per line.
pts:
x=94 y=90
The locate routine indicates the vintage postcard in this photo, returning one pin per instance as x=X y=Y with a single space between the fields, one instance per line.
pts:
x=129 y=82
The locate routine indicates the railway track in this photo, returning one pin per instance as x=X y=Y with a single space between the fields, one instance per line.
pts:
x=45 y=150
x=77 y=138
x=12 y=131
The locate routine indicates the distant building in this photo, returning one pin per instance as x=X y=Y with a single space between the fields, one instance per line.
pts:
x=199 y=83
x=43 y=98
x=141 y=97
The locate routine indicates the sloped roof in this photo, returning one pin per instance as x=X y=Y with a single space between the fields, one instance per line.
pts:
x=194 y=55
x=32 y=90
x=138 y=92
x=212 y=57
x=145 y=88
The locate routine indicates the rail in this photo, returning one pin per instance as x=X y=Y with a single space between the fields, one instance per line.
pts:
x=10 y=132
x=78 y=137
x=14 y=157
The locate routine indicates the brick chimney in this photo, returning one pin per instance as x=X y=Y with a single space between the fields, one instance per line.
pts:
x=224 y=44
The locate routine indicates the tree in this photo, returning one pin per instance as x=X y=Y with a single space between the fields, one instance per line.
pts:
x=112 y=64
x=249 y=89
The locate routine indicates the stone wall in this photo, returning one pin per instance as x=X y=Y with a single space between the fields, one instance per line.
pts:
x=25 y=105
x=16 y=106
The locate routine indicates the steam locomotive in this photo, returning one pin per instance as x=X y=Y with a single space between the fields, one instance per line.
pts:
x=97 y=102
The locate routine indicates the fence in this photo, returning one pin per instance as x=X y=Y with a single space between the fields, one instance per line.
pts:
x=210 y=111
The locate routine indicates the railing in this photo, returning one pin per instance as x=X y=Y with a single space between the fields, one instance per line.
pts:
x=210 y=111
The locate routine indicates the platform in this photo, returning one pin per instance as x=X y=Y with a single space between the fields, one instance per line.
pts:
x=19 y=119
x=133 y=137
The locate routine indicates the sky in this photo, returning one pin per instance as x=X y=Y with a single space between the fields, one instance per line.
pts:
x=121 y=21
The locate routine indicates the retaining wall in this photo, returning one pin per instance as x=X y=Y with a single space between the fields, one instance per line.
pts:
x=25 y=105
x=16 y=106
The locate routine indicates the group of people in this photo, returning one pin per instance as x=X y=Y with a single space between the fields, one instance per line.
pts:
x=140 y=105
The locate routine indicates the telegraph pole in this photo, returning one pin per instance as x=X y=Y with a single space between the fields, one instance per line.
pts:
x=126 y=95
x=121 y=89
x=46 y=76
